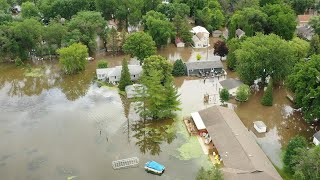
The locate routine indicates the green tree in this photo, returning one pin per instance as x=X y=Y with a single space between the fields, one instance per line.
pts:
x=314 y=45
x=250 y=20
x=304 y=81
x=159 y=28
x=179 y=68
x=307 y=164
x=264 y=2
x=281 y=20
x=211 y=16
x=102 y=64
x=54 y=35
x=267 y=98
x=211 y=174
x=220 y=49
x=113 y=40
x=160 y=63
x=264 y=55
x=89 y=24
x=73 y=58
x=183 y=27
x=125 y=79
x=224 y=95
x=300 y=6
x=140 y=45
x=242 y=4
x=29 y=10
x=232 y=44
x=4 y=6
x=300 y=47
x=315 y=24
x=243 y=93
x=107 y=8
x=150 y=5
x=292 y=150
x=173 y=9
x=63 y=8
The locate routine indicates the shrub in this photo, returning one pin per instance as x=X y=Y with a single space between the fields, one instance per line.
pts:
x=18 y=62
x=224 y=95
x=211 y=174
x=243 y=93
x=179 y=69
x=103 y=64
x=198 y=57
x=267 y=99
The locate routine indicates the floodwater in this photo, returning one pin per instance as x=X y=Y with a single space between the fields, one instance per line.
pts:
x=55 y=126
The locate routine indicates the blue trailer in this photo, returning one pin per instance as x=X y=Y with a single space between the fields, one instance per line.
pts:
x=152 y=166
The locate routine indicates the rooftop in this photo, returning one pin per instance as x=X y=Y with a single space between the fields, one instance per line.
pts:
x=242 y=156
x=317 y=135
x=260 y=124
x=304 y=18
x=199 y=29
x=230 y=83
x=204 y=64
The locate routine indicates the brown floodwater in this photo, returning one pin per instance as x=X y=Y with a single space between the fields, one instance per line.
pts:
x=55 y=126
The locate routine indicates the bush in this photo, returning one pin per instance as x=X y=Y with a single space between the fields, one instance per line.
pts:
x=102 y=64
x=198 y=57
x=243 y=93
x=292 y=150
x=18 y=62
x=179 y=69
x=211 y=174
x=267 y=99
x=224 y=95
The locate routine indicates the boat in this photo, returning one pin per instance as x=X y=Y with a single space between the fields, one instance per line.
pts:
x=152 y=166
x=260 y=126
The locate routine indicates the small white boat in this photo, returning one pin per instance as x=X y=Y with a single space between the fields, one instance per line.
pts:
x=260 y=126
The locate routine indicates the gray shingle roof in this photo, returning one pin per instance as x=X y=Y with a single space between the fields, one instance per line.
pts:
x=133 y=69
x=317 y=135
x=230 y=83
x=242 y=157
x=204 y=64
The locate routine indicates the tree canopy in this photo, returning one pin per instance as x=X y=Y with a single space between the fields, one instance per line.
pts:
x=304 y=81
x=140 y=45
x=125 y=79
x=220 y=48
x=264 y=55
x=179 y=68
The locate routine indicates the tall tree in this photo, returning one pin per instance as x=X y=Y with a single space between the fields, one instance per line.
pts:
x=300 y=6
x=315 y=45
x=73 y=58
x=304 y=81
x=183 y=29
x=220 y=49
x=264 y=55
x=210 y=16
x=291 y=151
x=315 y=24
x=232 y=44
x=267 y=98
x=281 y=20
x=108 y=8
x=300 y=47
x=173 y=9
x=54 y=34
x=179 y=68
x=125 y=79
x=29 y=10
x=140 y=45
x=159 y=28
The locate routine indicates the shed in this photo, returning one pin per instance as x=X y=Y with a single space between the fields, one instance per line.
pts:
x=260 y=126
x=198 y=121
x=242 y=157
x=179 y=42
x=316 y=138
x=231 y=85
x=240 y=33
x=204 y=67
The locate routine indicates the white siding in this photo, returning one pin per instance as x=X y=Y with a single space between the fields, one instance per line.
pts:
x=316 y=141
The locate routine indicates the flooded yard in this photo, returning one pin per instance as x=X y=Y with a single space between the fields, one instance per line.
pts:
x=54 y=126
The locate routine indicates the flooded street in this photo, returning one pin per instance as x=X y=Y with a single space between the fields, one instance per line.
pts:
x=54 y=126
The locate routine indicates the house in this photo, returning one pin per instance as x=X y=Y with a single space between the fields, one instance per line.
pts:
x=216 y=33
x=231 y=85
x=242 y=157
x=200 y=37
x=305 y=32
x=303 y=20
x=179 y=42
x=204 y=68
x=16 y=9
x=316 y=138
x=113 y=75
x=131 y=90
x=165 y=1
x=240 y=33
x=260 y=126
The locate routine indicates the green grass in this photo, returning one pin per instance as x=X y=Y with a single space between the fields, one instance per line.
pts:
x=283 y=174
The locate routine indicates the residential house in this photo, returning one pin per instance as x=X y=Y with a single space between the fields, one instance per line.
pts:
x=316 y=138
x=240 y=154
x=231 y=85
x=179 y=42
x=204 y=68
x=113 y=75
x=303 y=20
x=165 y=1
x=305 y=32
x=240 y=33
x=200 y=37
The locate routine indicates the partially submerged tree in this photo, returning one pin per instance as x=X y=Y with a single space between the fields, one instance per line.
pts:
x=224 y=95
x=179 y=68
x=232 y=44
x=73 y=58
x=140 y=45
x=125 y=79
x=267 y=98
x=243 y=93
x=220 y=49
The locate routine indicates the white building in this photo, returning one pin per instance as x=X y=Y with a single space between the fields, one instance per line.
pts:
x=200 y=37
x=179 y=42
x=260 y=126
x=231 y=85
x=113 y=75
x=316 y=138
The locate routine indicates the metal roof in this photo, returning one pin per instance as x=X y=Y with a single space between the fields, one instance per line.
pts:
x=197 y=120
x=242 y=157
x=231 y=83
x=203 y=64
x=199 y=29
